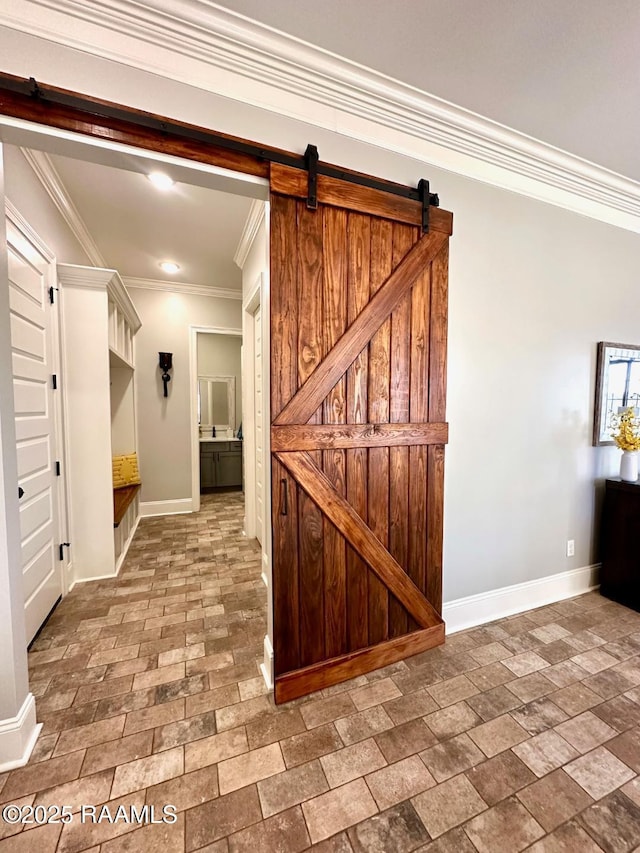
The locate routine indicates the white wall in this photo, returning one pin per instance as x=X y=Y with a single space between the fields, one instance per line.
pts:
x=532 y=289
x=219 y=355
x=164 y=439
x=29 y=196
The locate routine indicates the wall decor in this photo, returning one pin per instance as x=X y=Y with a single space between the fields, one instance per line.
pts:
x=617 y=386
x=166 y=364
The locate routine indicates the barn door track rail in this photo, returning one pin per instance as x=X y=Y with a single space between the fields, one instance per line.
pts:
x=49 y=99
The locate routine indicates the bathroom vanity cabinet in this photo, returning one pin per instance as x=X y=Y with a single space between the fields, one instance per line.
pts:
x=220 y=463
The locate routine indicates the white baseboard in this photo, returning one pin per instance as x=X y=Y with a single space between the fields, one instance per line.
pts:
x=18 y=736
x=107 y=577
x=176 y=507
x=266 y=667
x=508 y=600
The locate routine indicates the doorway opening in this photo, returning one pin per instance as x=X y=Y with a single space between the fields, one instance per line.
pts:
x=216 y=411
x=99 y=183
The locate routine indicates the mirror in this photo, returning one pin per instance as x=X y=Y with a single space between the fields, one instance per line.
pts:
x=217 y=402
x=617 y=386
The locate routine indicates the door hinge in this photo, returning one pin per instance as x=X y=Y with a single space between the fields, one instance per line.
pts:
x=54 y=382
x=61 y=548
x=52 y=290
x=57 y=469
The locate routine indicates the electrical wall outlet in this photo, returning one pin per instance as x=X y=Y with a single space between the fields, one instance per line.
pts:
x=571 y=547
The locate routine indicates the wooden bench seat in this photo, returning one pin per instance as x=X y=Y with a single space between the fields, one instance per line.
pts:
x=122 y=499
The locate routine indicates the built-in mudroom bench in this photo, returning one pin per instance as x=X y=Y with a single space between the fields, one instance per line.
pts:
x=99 y=323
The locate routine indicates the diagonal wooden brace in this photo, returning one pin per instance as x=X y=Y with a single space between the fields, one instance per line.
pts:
x=305 y=402
x=310 y=478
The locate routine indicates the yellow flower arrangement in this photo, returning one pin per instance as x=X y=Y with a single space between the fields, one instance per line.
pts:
x=626 y=430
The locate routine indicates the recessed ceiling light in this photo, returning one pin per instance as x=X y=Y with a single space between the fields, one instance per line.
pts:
x=161 y=181
x=169 y=266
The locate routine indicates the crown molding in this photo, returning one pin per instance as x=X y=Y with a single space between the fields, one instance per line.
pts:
x=251 y=227
x=182 y=287
x=120 y=296
x=184 y=39
x=95 y=278
x=48 y=176
x=52 y=182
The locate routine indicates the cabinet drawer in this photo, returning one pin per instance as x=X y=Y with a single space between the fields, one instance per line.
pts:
x=214 y=446
x=235 y=445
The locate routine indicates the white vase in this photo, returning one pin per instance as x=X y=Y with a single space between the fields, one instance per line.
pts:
x=629 y=466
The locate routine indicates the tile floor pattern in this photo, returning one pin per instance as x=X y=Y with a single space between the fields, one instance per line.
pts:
x=522 y=734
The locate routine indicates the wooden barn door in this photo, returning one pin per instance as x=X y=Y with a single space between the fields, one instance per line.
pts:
x=358 y=367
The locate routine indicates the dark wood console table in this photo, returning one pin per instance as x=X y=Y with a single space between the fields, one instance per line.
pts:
x=620 y=543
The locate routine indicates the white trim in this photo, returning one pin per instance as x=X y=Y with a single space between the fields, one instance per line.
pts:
x=175 y=507
x=252 y=302
x=498 y=603
x=52 y=182
x=266 y=667
x=18 y=220
x=125 y=547
x=251 y=228
x=182 y=287
x=18 y=736
x=76 y=275
x=184 y=40
x=117 y=155
x=250 y=305
x=230 y=382
x=108 y=576
x=193 y=404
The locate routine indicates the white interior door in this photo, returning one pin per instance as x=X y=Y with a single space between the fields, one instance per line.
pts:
x=30 y=276
x=257 y=386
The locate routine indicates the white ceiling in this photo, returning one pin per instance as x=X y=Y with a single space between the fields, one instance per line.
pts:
x=564 y=71
x=567 y=73
x=135 y=225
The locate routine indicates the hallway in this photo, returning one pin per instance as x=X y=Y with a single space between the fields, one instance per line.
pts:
x=149 y=691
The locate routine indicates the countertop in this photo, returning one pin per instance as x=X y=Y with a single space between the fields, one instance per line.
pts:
x=209 y=439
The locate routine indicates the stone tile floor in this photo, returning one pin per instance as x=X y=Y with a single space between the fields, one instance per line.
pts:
x=522 y=734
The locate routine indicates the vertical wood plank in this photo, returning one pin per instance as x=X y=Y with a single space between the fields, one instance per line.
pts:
x=435 y=508
x=358 y=274
x=438 y=336
x=334 y=461
x=419 y=413
x=284 y=383
x=404 y=237
x=378 y=403
x=310 y=524
x=284 y=303
x=286 y=591
x=437 y=411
